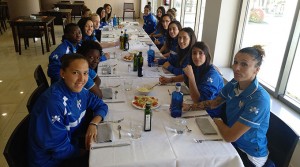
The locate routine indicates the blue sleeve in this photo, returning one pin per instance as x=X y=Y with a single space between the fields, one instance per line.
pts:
x=103 y=57
x=52 y=134
x=210 y=86
x=226 y=89
x=54 y=62
x=176 y=70
x=162 y=61
x=89 y=84
x=97 y=105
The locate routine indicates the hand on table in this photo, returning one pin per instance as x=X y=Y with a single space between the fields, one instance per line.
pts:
x=164 y=80
x=90 y=136
x=166 y=65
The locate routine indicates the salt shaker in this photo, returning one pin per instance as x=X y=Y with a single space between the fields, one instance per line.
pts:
x=129 y=67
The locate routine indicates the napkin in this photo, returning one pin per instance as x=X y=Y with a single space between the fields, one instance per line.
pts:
x=104 y=133
x=107 y=93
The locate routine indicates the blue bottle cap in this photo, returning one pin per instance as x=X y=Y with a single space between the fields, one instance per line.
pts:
x=178 y=84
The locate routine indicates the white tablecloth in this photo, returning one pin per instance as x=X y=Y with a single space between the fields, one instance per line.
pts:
x=161 y=146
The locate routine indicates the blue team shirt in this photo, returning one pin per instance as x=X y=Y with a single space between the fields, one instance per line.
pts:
x=173 y=50
x=209 y=86
x=66 y=47
x=90 y=83
x=251 y=108
x=55 y=117
x=149 y=23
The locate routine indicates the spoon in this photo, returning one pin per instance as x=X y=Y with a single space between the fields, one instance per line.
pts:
x=116 y=92
x=119 y=129
x=188 y=130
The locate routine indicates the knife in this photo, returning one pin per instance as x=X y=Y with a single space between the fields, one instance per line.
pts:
x=113 y=101
x=115 y=145
x=195 y=116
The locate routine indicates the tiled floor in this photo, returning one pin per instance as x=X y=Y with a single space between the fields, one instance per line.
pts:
x=17 y=82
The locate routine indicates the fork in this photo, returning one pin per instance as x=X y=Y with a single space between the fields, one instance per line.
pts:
x=116 y=121
x=203 y=140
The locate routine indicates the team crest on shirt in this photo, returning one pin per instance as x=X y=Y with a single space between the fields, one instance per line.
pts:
x=68 y=50
x=254 y=110
x=55 y=56
x=79 y=104
x=241 y=104
x=209 y=79
x=55 y=118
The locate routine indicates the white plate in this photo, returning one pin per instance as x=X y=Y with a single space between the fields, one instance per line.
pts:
x=127 y=60
x=142 y=108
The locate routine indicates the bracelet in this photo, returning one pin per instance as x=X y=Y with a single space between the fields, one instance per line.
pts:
x=92 y=123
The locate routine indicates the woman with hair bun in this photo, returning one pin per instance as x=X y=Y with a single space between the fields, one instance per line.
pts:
x=247 y=108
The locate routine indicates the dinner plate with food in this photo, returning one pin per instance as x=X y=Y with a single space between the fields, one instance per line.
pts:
x=139 y=102
x=128 y=58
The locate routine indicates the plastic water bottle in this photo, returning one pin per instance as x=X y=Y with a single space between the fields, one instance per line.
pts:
x=115 y=21
x=176 y=102
x=151 y=55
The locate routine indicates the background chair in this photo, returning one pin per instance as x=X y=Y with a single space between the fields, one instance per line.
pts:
x=59 y=17
x=27 y=32
x=16 y=147
x=282 y=141
x=128 y=7
x=34 y=96
x=40 y=76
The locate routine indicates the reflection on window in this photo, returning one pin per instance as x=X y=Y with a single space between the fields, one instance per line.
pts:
x=293 y=86
x=177 y=6
x=269 y=24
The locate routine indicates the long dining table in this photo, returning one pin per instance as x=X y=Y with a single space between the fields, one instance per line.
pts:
x=162 y=146
x=43 y=21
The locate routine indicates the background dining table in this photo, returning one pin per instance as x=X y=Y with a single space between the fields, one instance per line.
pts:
x=43 y=21
x=162 y=146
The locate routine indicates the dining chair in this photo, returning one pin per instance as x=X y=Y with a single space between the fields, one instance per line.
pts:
x=40 y=76
x=3 y=18
x=27 y=32
x=34 y=96
x=78 y=2
x=59 y=17
x=282 y=141
x=65 y=1
x=128 y=7
x=15 y=150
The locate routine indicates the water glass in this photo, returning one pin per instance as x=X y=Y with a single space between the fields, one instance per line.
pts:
x=128 y=84
x=136 y=130
x=180 y=125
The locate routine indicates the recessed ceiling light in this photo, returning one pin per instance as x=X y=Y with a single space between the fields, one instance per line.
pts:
x=4 y=114
x=21 y=92
x=1 y=81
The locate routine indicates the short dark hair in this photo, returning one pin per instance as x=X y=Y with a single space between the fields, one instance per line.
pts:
x=67 y=59
x=88 y=45
x=148 y=6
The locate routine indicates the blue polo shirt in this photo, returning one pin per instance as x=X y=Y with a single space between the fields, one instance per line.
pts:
x=90 y=83
x=251 y=108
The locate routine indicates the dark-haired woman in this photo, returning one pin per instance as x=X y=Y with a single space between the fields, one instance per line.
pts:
x=176 y=63
x=56 y=121
x=247 y=108
x=70 y=42
x=108 y=10
x=92 y=51
x=203 y=79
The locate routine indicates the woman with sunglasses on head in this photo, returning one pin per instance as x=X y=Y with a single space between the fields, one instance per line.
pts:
x=247 y=108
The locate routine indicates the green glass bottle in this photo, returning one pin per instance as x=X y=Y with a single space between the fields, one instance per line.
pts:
x=147 y=117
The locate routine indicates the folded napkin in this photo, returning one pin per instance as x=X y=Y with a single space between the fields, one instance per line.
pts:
x=107 y=93
x=104 y=133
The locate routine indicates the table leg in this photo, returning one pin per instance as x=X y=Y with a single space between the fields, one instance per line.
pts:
x=47 y=37
x=14 y=32
x=52 y=33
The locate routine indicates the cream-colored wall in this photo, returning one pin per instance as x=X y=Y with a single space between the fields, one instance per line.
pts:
x=219 y=27
x=23 y=7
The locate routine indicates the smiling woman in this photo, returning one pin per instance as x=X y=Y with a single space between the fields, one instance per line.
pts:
x=55 y=133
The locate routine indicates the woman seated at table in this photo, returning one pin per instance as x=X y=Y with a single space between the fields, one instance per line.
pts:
x=202 y=78
x=108 y=10
x=101 y=12
x=70 y=42
x=160 y=34
x=86 y=12
x=171 y=42
x=160 y=12
x=58 y=115
x=149 y=20
x=92 y=51
x=176 y=63
x=87 y=27
x=247 y=108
